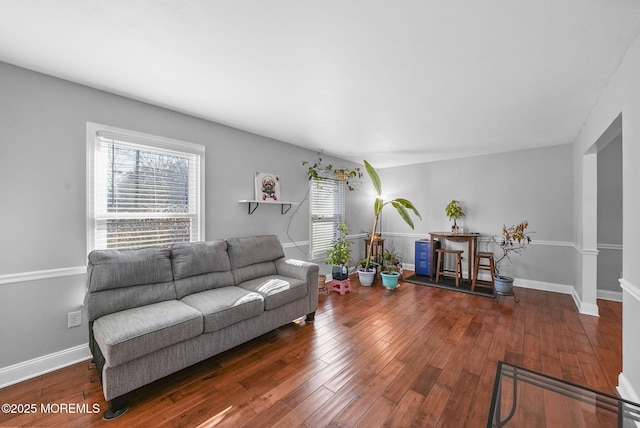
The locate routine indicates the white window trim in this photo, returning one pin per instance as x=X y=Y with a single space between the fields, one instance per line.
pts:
x=148 y=139
x=320 y=257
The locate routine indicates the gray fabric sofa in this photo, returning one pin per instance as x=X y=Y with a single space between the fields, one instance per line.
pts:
x=154 y=311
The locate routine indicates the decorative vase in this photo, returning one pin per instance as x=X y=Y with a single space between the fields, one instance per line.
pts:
x=366 y=277
x=503 y=285
x=390 y=280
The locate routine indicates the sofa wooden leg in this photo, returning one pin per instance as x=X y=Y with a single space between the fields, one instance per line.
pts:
x=117 y=407
x=311 y=317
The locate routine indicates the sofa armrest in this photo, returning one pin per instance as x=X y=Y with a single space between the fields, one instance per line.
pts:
x=299 y=269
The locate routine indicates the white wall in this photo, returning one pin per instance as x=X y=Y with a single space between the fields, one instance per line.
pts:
x=621 y=97
x=494 y=190
x=610 y=219
x=43 y=187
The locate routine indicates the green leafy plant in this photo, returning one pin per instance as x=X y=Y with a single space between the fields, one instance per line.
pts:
x=401 y=205
x=454 y=212
x=318 y=171
x=339 y=252
x=392 y=261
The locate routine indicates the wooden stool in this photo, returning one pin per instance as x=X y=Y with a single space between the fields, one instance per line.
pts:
x=488 y=267
x=341 y=287
x=440 y=270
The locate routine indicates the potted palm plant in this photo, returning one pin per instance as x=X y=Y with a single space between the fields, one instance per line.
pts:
x=454 y=212
x=513 y=240
x=339 y=254
x=401 y=205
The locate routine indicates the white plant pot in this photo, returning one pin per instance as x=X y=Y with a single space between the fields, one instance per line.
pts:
x=366 y=278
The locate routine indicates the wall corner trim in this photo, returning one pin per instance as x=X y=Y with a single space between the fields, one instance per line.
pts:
x=625 y=389
x=29 y=369
x=585 y=308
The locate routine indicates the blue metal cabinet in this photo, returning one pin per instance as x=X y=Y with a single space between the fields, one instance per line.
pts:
x=423 y=257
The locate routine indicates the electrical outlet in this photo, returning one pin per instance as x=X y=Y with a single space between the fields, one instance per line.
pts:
x=74 y=319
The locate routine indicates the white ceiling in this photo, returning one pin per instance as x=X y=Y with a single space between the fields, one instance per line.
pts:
x=395 y=82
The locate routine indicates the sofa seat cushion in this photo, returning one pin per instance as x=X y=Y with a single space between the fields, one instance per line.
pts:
x=126 y=335
x=224 y=306
x=277 y=290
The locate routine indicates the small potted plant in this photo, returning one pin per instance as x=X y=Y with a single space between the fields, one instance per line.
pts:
x=401 y=205
x=454 y=212
x=391 y=269
x=339 y=254
x=513 y=240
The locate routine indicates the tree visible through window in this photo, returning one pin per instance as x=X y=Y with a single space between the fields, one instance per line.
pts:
x=145 y=192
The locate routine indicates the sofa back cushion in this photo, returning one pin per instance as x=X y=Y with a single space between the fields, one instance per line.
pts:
x=200 y=266
x=124 y=279
x=253 y=256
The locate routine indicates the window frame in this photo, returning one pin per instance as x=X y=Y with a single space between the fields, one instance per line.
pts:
x=153 y=142
x=319 y=255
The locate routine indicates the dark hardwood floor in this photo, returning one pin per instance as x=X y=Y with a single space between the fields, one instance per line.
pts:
x=418 y=356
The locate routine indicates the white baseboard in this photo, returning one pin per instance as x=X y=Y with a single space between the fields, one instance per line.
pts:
x=583 y=308
x=614 y=296
x=587 y=309
x=38 y=366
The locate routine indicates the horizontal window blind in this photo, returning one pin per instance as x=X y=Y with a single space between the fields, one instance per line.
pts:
x=327 y=212
x=145 y=193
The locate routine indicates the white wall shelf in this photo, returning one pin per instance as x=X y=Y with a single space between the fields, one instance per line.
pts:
x=253 y=205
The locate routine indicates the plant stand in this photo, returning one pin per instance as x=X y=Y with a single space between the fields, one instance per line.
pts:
x=513 y=294
x=377 y=250
x=343 y=287
x=504 y=287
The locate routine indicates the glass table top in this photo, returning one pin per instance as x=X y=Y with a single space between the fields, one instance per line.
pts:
x=525 y=398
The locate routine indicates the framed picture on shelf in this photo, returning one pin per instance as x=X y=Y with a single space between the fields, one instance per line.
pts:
x=267 y=187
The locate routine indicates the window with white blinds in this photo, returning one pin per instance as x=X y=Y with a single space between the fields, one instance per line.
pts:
x=144 y=190
x=327 y=212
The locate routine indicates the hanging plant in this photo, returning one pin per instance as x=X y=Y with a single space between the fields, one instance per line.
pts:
x=318 y=171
